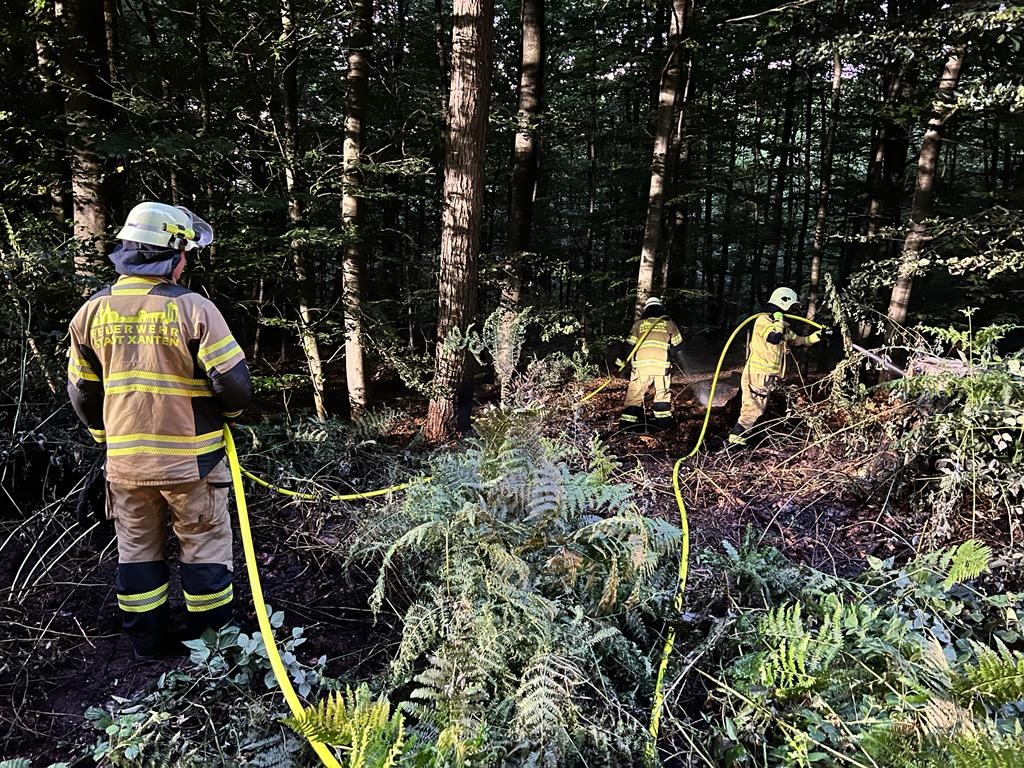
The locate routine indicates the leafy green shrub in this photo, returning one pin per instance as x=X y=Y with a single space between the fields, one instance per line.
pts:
x=534 y=579
x=326 y=457
x=222 y=710
x=974 y=435
x=905 y=667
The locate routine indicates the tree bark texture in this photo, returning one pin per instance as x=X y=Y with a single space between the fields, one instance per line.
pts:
x=352 y=203
x=296 y=215
x=524 y=182
x=924 y=188
x=463 y=201
x=671 y=79
x=87 y=105
x=824 y=187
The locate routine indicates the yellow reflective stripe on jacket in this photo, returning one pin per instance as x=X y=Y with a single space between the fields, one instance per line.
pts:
x=99 y=435
x=156 y=383
x=200 y=603
x=78 y=367
x=133 y=286
x=220 y=351
x=156 y=376
x=144 y=601
x=164 y=445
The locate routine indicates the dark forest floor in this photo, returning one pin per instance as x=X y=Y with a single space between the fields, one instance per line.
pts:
x=65 y=652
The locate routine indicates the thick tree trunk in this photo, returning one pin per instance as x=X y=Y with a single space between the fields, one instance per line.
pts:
x=352 y=204
x=924 y=187
x=805 y=215
x=824 y=187
x=463 y=201
x=296 y=215
x=87 y=104
x=524 y=182
x=671 y=79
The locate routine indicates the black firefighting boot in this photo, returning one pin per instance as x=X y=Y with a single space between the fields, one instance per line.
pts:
x=632 y=417
x=142 y=590
x=209 y=596
x=662 y=417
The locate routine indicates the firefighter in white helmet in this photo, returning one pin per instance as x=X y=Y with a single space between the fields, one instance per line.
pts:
x=766 y=360
x=658 y=342
x=154 y=373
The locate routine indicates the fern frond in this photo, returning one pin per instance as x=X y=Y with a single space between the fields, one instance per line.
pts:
x=968 y=562
x=998 y=677
x=364 y=727
x=544 y=699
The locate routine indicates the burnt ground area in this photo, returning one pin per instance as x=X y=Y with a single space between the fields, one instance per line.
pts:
x=825 y=510
x=64 y=651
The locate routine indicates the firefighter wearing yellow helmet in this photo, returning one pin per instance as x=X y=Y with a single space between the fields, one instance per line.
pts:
x=154 y=373
x=658 y=343
x=766 y=360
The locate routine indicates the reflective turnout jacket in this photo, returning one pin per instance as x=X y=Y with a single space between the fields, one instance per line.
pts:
x=652 y=356
x=768 y=344
x=154 y=372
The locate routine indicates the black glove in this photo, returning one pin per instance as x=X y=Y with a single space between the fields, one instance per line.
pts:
x=92 y=499
x=675 y=356
x=617 y=352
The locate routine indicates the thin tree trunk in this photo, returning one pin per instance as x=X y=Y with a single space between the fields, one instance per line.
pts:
x=671 y=78
x=924 y=188
x=463 y=202
x=782 y=179
x=296 y=215
x=524 y=183
x=352 y=204
x=824 y=186
x=87 y=105
x=52 y=105
x=679 y=213
x=805 y=215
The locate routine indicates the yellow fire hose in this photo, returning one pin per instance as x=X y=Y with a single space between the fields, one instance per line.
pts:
x=684 y=554
x=281 y=674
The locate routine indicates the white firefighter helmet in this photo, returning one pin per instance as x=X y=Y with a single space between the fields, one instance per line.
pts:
x=784 y=298
x=654 y=300
x=167 y=226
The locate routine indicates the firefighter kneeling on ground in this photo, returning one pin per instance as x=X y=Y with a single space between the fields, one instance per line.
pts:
x=155 y=373
x=766 y=360
x=657 y=340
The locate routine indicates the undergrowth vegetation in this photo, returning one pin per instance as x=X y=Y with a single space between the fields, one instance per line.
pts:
x=913 y=666
x=536 y=584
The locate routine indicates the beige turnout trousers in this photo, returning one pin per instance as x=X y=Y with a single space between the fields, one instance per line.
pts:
x=639 y=382
x=755 y=388
x=198 y=512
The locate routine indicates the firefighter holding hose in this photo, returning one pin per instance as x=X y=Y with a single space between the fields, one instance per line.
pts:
x=154 y=373
x=766 y=360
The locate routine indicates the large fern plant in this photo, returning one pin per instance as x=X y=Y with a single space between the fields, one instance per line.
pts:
x=908 y=667
x=528 y=574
